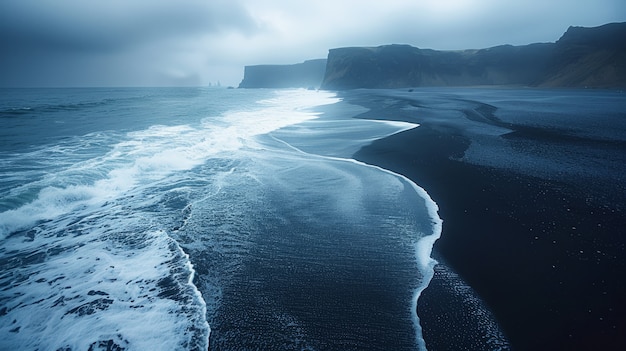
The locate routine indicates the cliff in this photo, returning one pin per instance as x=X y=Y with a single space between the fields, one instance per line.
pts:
x=583 y=57
x=589 y=57
x=308 y=74
x=393 y=66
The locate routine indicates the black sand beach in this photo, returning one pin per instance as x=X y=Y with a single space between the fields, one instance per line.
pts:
x=533 y=205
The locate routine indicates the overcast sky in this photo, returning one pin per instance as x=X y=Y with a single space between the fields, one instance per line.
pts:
x=197 y=42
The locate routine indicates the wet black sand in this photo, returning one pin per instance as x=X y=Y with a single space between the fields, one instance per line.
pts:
x=543 y=250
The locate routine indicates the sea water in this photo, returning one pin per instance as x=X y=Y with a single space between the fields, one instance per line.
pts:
x=195 y=218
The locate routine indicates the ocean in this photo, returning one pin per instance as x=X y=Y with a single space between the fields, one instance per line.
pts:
x=195 y=218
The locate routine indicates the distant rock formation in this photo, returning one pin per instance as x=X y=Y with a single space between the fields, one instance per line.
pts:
x=308 y=74
x=582 y=57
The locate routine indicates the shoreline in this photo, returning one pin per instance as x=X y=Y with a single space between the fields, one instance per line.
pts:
x=526 y=244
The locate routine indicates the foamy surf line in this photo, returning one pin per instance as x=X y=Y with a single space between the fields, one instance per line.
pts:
x=154 y=154
x=139 y=271
x=424 y=246
x=81 y=286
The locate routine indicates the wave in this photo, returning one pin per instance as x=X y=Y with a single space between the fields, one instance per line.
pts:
x=36 y=102
x=424 y=244
x=105 y=228
x=84 y=247
x=84 y=283
x=52 y=108
x=147 y=156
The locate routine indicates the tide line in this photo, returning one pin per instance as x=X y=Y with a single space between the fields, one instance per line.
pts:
x=423 y=247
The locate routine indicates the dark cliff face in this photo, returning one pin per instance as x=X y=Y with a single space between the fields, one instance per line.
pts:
x=582 y=57
x=308 y=74
x=589 y=57
x=397 y=66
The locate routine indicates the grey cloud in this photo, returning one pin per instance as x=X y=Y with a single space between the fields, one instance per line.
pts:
x=86 y=26
x=491 y=22
x=113 y=42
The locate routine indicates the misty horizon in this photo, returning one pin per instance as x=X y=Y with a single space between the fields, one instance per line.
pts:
x=70 y=43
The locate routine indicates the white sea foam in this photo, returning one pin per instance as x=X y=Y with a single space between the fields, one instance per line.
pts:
x=155 y=153
x=423 y=248
x=86 y=256
x=85 y=262
x=339 y=137
x=425 y=242
x=80 y=289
